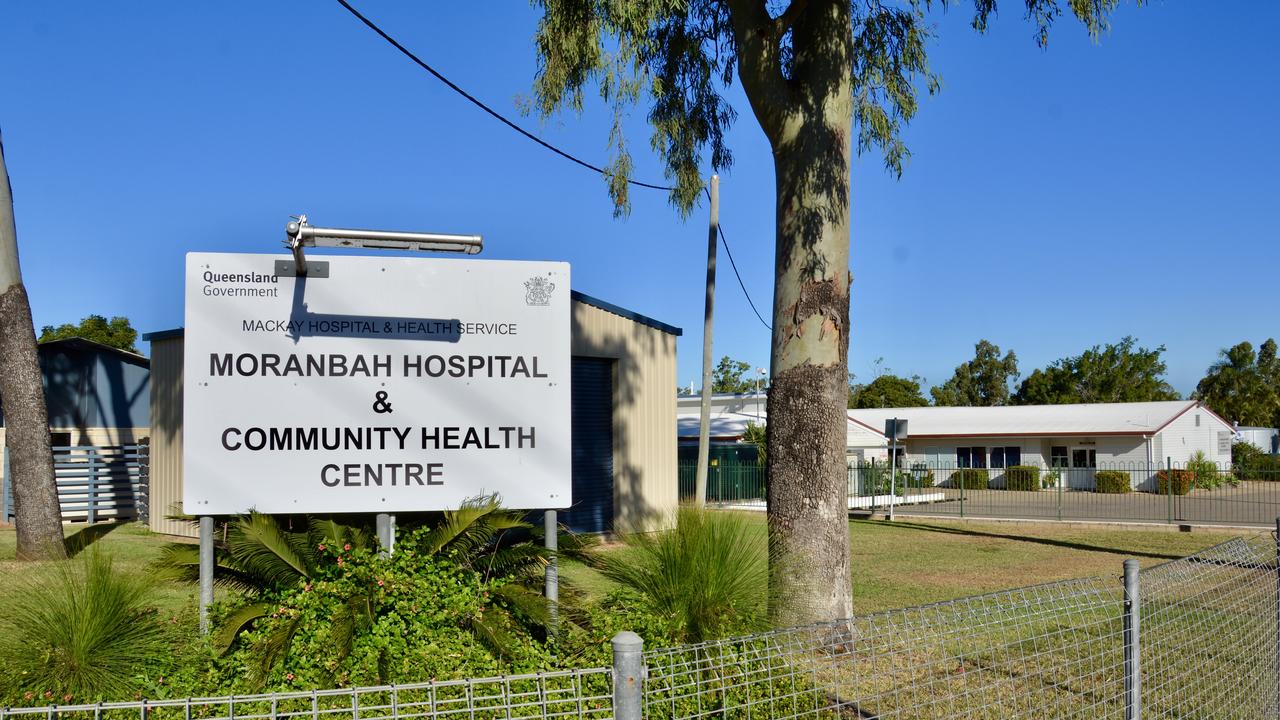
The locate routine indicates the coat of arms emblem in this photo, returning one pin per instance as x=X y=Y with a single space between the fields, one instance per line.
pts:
x=537 y=291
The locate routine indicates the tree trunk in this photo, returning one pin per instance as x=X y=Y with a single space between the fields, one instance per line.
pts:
x=26 y=418
x=808 y=395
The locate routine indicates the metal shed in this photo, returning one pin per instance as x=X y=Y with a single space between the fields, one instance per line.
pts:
x=624 y=431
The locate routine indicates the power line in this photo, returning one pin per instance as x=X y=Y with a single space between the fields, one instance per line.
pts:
x=567 y=156
x=725 y=241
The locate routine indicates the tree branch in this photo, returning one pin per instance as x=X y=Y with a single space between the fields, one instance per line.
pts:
x=759 y=62
x=783 y=22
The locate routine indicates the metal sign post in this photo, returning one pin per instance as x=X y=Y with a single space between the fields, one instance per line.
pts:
x=206 y=571
x=895 y=430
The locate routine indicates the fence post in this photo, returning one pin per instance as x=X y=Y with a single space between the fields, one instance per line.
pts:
x=1132 y=618
x=1061 y=480
x=628 y=676
x=92 y=457
x=960 y=478
x=1168 y=484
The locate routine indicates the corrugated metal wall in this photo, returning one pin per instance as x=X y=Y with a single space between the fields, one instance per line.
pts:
x=644 y=419
x=166 y=436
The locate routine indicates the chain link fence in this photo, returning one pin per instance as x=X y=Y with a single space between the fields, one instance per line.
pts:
x=1192 y=638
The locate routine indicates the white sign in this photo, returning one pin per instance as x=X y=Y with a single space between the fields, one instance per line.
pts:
x=392 y=384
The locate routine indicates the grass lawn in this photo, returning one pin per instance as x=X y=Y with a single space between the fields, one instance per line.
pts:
x=132 y=547
x=908 y=562
x=912 y=562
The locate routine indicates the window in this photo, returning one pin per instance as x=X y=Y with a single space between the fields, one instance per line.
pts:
x=971 y=457
x=1008 y=456
x=1058 y=456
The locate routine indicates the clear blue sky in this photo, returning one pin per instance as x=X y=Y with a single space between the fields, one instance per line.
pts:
x=1056 y=199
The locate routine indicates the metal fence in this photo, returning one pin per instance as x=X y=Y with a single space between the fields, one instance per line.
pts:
x=1175 y=493
x=94 y=483
x=1192 y=638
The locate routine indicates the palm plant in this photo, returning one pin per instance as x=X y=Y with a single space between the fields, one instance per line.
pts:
x=263 y=554
x=708 y=574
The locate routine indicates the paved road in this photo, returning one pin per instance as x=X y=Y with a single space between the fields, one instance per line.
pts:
x=1250 y=503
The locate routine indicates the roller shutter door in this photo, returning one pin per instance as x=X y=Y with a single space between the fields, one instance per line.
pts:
x=592 y=509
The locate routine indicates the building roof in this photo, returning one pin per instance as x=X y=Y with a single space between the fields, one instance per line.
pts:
x=84 y=344
x=573 y=294
x=1143 y=418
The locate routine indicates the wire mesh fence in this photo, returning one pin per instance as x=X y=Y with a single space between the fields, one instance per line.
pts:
x=1174 y=493
x=579 y=694
x=1192 y=638
x=1207 y=647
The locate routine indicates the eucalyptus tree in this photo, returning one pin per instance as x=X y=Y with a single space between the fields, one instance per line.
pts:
x=822 y=78
x=37 y=516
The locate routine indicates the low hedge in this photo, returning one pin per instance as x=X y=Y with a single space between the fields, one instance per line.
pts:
x=971 y=479
x=1111 y=482
x=1259 y=467
x=1022 y=477
x=1182 y=481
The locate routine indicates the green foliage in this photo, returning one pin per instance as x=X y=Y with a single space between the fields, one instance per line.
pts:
x=1208 y=476
x=264 y=558
x=1119 y=372
x=1244 y=386
x=1050 y=479
x=921 y=476
x=888 y=391
x=982 y=381
x=116 y=332
x=1111 y=482
x=363 y=619
x=732 y=376
x=873 y=479
x=1181 y=483
x=971 y=479
x=1250 y=463
x=1022 y=477
x=707 y=576
x=81 y=632
x=757 y=435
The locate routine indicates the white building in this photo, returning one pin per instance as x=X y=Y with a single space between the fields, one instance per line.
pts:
x=1136 y=437
x=731 y=413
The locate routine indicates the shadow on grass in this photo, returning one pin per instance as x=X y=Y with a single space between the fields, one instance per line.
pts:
x=1025 y=538
x=87 y=536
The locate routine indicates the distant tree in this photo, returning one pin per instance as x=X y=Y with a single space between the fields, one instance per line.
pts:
x=888 y=391
x=116 y=332
x=982 y=381
x=732 y=376
x=1119 y=372
x=1242 y=385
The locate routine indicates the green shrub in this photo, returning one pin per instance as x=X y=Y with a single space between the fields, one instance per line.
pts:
x=707 y=575
x=80 y=632
x=1208 y=476
x=971 y=479
x=1111 y=482
x=1022 y=477
x=1250 y=463
x=1182 y=481
x=1050 y=479
x=921 y=476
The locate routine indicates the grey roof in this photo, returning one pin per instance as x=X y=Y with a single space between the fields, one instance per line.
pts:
x=1142 y=418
